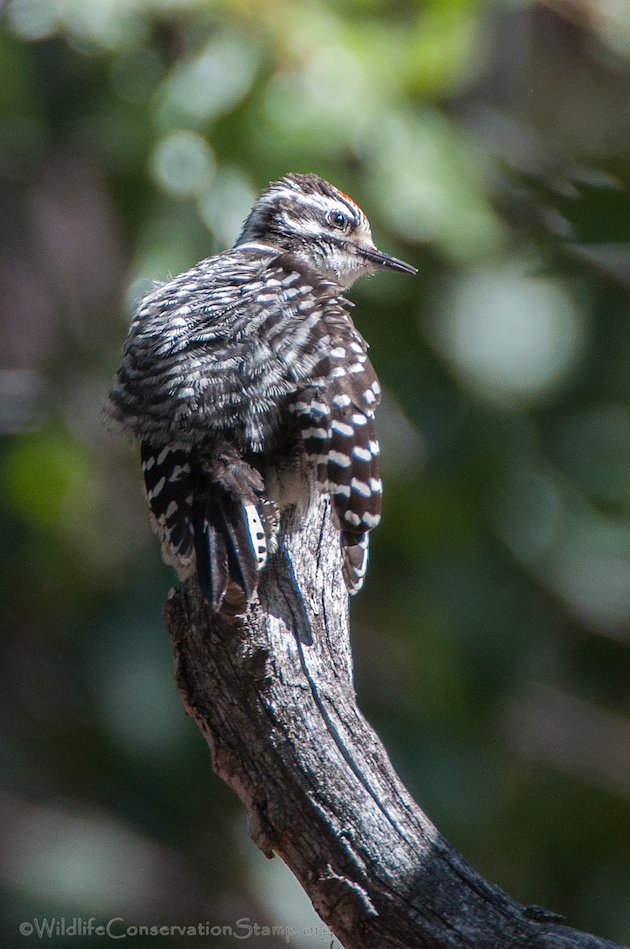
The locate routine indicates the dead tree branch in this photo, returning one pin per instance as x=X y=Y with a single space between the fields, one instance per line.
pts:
x=273 y=695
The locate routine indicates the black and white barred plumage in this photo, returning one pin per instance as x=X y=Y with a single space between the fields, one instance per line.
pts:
x=240 y=367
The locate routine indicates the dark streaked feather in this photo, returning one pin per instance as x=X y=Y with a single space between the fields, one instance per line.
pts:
x=336 y=420
x=208 y=506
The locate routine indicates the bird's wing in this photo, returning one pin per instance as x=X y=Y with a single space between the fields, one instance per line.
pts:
x=335 y=414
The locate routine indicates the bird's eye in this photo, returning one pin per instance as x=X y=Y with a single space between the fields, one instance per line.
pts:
x=338 y=219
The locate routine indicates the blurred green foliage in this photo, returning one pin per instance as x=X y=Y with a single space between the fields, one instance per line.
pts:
x=490 y=143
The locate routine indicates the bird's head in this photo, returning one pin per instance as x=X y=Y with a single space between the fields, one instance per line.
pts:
x=313 y=220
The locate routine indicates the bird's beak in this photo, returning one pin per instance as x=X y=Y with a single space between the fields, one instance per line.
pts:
x=378 y=259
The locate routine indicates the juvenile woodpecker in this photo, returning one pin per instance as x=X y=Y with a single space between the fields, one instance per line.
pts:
x=248 y=364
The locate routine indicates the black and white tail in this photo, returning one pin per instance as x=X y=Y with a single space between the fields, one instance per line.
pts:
x=206 y=516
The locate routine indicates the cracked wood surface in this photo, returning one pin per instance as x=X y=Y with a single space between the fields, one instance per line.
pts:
x=273 y=695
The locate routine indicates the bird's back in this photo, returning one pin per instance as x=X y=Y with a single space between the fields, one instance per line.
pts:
x=222 y=348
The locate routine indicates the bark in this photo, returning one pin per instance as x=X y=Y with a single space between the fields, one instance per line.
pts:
x=273 y=695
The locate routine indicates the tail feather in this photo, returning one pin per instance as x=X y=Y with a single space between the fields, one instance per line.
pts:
x=205 y=511
x=211 y=554
x=241 y=557
x=224 y=546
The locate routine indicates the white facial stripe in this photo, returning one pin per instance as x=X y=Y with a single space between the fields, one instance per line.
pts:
x=320 y=204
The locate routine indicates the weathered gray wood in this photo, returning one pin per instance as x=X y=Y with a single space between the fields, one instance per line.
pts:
x=273 y=695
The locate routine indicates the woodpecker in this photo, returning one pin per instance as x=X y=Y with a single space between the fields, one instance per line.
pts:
x=249 y=366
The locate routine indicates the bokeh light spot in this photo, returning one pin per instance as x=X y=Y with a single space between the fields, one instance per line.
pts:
x=183 y=163
x=507 y=331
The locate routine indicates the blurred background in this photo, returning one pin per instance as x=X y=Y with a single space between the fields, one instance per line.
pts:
x=489 y=143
